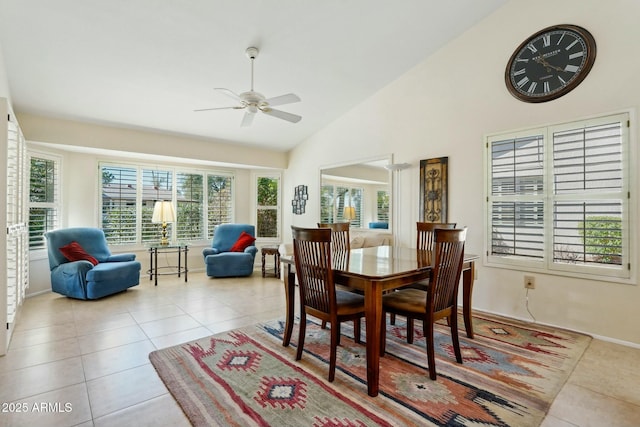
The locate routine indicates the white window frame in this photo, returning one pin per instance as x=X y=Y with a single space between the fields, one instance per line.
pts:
x=376 y=207
x=271 y=175
x=626 y=273
x=57 y=204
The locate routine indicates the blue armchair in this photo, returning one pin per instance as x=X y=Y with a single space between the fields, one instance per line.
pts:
x=82 y=279
x=221 y=261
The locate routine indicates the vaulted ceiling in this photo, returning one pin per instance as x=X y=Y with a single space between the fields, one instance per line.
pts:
x=148 y=64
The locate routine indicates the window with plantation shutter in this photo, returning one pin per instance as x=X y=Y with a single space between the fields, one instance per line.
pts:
x=327 y=211
x=335 y=202
x=119 y=204
x=190 y=203
x=558 y=198
x=157 y=185
x=44 y=197
x=201 y=200
x=219 y=201
x=382 y=205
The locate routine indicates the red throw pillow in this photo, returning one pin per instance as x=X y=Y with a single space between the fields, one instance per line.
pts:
x=244 y=241
x=74 y=252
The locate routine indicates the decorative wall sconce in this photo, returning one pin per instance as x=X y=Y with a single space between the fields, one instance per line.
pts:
x=300 y=197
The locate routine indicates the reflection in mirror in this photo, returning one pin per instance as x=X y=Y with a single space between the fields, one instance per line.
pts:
x=357 y=192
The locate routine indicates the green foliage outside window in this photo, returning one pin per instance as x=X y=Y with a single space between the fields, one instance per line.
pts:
x=267 y=214
x=602 y=238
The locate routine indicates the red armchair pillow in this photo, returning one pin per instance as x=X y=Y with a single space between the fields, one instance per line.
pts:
x=74 y=252
x=244 y=241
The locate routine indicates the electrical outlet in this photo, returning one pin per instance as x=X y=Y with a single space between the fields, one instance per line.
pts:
x=529 y=282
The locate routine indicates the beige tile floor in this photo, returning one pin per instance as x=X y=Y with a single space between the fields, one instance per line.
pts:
x=86 y=363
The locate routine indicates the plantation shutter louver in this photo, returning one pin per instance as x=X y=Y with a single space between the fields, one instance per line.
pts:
x=119 y=204
x=17 y=241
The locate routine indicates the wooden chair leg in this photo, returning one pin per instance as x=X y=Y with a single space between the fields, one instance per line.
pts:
x=356 y=330
x=409 y=330
x=431 y=359
x=324 y=325
x=301 y=334
x=392 y=318
x=455 y=338
x=335 y=336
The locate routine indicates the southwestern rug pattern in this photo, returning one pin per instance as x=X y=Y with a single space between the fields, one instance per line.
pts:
x=511 y=373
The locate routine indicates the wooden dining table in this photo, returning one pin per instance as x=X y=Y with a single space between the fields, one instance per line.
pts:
x=376 y=270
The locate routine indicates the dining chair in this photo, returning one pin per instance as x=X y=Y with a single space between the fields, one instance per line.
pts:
x=340 y=247
x=439 y=301
x=318 y=294
x=424 y=245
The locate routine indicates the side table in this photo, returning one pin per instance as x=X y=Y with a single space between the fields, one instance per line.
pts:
x=271 y=250
x=178 y=248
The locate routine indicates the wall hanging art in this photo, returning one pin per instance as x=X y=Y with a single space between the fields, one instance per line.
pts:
x=299 y=201
x=433 y=189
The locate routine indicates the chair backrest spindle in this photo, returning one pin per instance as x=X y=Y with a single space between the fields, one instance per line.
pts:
x=340 y=243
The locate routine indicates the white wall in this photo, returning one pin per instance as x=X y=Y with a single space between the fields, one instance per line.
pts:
x=4 y=82
x=445 y=105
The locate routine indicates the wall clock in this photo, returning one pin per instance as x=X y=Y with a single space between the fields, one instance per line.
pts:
x=550 y=63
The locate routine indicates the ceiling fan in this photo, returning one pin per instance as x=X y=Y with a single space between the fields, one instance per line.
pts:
x=252 y=101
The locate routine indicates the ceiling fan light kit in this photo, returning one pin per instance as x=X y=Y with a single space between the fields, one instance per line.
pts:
x=252 y=101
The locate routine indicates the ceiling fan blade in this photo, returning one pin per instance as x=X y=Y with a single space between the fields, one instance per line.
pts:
x=293 y=118
x=289 y=98
x=239 y=107
x=247 y=119
x=228 y=93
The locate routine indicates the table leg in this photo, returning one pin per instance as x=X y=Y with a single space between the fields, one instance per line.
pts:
x=373 y=316
x=468 y=277
x=263 y=264
x=289 y=289
x=155 y=266
x=150 y=263
x=179 y=260
x=186 y=269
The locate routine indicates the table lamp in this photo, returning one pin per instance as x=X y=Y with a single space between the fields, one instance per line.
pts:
x=349 y=213
x=163 y=213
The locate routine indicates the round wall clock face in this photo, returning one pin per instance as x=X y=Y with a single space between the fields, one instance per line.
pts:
x=550 y=63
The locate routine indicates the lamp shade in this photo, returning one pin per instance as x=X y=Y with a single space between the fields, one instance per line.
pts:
x=163 y=212
x=349 y=213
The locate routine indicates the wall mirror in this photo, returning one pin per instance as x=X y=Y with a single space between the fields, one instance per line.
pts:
x=359 y=192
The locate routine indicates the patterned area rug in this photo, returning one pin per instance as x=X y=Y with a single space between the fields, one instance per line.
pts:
x=511 y=373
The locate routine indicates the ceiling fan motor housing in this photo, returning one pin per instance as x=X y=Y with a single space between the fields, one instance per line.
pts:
x=253 y=100
x=252 y=52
